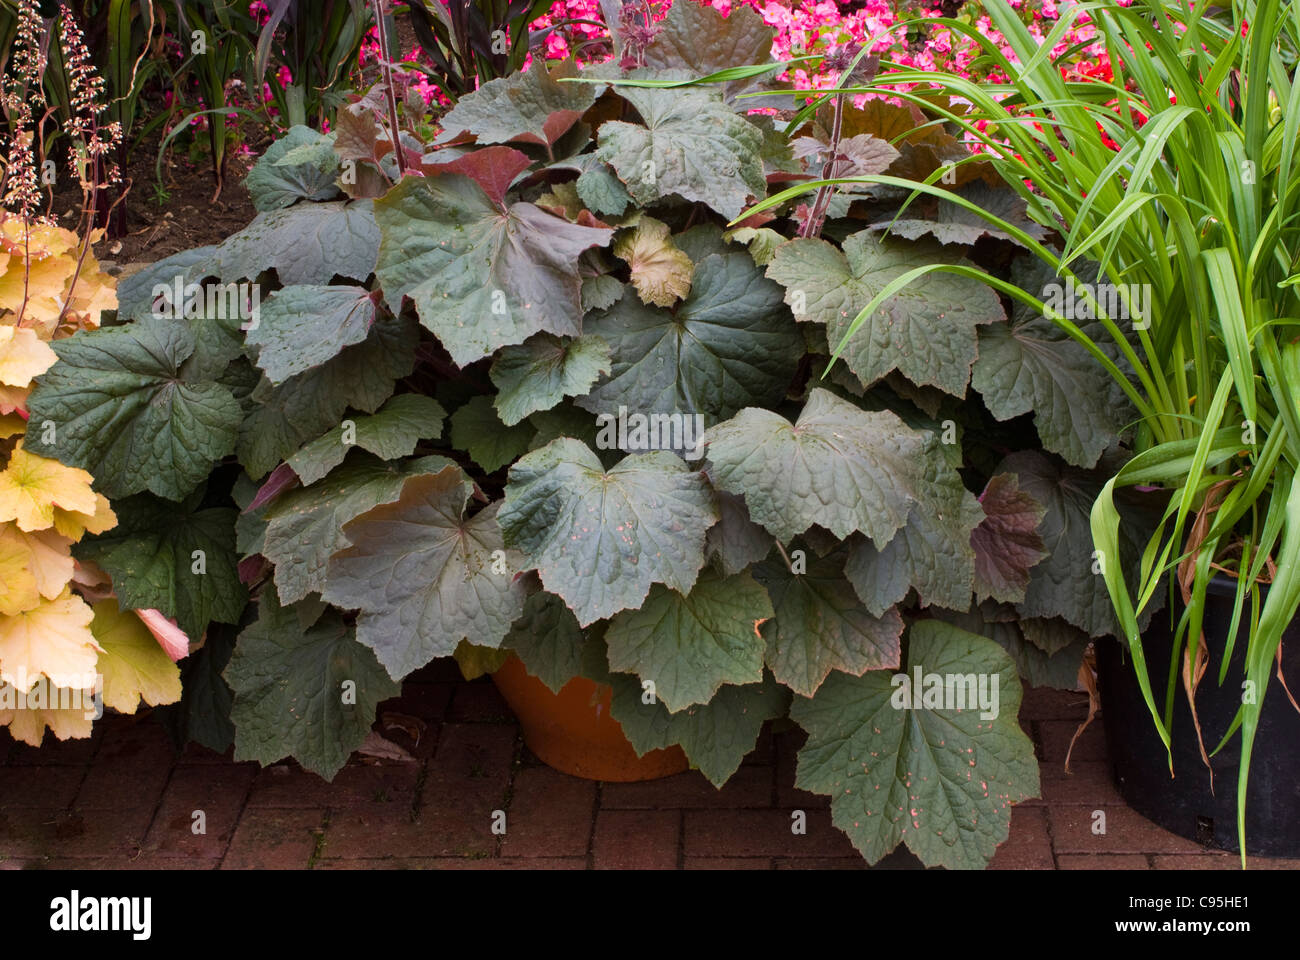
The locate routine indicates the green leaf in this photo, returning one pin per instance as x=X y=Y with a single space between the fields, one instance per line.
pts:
x=932 y=553
x=1032 y=365
x=715 y=736
x=301 y=165
x=1064 y=583
x=760 y=241
x=123 y=410
x=480 y=277
x=135 y=294
x=952 y=223
x=543 y=371
x=839 y=466
x=730 y=345
x=304 y=526
x=819 y=625
x=531 y=106
x=1058 y=669
x=688 y=645
x=700 y=39
x=203 y=714
x=601 y=191
x=736 y=541
x=600 y=538
x=600 y=292
x=548 y=640
x=305 y=244
x=476 y=429
x=942 y=780
x=1050 y=634
x=926 y=331
x=1006 y=542
x=304 y=326
x=425 y=576
x=393 y=432
x=174 y=558
x=691 y=145
x=289 y=686
x=306 y=405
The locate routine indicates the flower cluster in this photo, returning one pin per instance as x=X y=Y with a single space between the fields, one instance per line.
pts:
x=82 y=125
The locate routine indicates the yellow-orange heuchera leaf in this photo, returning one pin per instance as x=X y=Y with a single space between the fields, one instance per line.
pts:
x=13 y=398
x=17 y=581
x=45 y=284
x=53 y=638
x=11 y=425
x=132 y=663
x=47 y=557
x=28 y=724
x=95 y=291
x=31 y=487
x=72 y=524
x=23 y=356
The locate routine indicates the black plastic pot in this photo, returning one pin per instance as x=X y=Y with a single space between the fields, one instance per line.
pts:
x=1184 y=804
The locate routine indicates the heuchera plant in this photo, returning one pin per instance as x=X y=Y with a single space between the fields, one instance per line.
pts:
x=533 y=396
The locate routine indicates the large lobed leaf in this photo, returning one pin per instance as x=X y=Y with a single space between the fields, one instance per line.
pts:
x=926 y=331
x=305 y=692
x=731 y=344
x=424 y=575
x=600 y=538
x=940 y=780
x=122 y=409
x=691 y=145
x=481 y=277
x=839 y=466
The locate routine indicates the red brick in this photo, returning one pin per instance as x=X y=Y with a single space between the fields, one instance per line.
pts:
x=1126 y=832
x=550 y=815
x=1028 y=846
x=218 y=791
x=274 y=840
x=197 y=753
x=50 y=787
x=636 y=839
x=1103 y=861
x=820 y=863
x=134 y=742
x=454 y=863
x=357 y=784
x=52 y=750
x=1044 y=703
x=144 y=861
x=1056 y=735
x=748 y=787
x=478 y=702
x=727 y=863
x=762 y=833
x=470 y=770
x=1205 y=861
x=465 y=782
x=135 y=782
x=1088 y=782
x=92 y=833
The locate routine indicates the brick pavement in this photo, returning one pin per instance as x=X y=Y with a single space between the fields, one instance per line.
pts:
x=122 y=799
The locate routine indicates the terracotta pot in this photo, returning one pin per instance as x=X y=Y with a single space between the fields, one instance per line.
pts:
x=573 y=732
